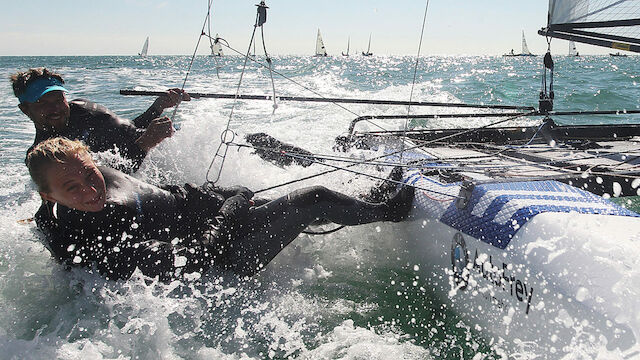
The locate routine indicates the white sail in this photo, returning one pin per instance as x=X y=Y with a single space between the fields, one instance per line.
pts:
x=216 y=48
x=572 y=49
x=145 y=48
x=348 y=42
x=609 y=23
x=525 y=48
x=320 y=50
x=368 y=53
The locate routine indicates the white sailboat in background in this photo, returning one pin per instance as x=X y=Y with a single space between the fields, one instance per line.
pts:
x=572 y=49
x=320 y=50
x=348 y=41
x=368 y=53
x=145 y=48
x=216 y=48
x=525 y=49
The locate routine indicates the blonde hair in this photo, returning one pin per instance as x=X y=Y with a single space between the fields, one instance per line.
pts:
x=51 y=151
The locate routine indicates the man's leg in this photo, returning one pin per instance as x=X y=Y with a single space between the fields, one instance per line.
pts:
x=271 y=227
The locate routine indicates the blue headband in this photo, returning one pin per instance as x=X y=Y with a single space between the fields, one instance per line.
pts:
x=39 y=87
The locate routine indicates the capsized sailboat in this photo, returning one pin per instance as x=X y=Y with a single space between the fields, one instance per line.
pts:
x=525 y=49
x=320 y=49
x=514 y=227
x=368 y=52
x=145 y=48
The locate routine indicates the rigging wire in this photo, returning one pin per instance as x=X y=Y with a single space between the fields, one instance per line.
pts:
x=394 y=153
x=211 y=43
x=193 y=57
x=457 y=163
x=262 y=18
x=415 y=73
x=227 y=135
x=303 y=86
x=335 y=167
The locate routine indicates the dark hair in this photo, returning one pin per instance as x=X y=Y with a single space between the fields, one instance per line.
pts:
x=22 y=79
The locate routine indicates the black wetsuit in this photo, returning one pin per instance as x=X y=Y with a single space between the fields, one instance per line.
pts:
x=103 y=130
x=159 y=230
x=182 y=229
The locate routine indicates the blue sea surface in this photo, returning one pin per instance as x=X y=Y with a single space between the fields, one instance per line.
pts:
x=351 y=294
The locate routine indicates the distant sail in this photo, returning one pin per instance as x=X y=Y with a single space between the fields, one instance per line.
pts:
x=525 y=48
x=348 y=41
x=609 y=23
x=320 y=50
x=572 y=49
x=368 y=53
x=145 y=48
x=216 y=48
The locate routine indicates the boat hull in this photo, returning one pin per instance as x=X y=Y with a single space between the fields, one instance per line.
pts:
x=561 y=280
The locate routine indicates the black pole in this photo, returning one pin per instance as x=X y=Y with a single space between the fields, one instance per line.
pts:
x=331 y=100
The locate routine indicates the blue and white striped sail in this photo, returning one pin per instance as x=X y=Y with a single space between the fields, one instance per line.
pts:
x=608 y=23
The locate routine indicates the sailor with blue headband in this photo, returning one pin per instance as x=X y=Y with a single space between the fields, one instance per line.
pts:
x=41 y=86
x=42 y=97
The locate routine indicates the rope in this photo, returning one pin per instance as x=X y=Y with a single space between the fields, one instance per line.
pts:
x=193 y=57
x=393 y=153
x=304 y=87
x=415 y=73
x=262 y=18
x=211 y=42
x=268 y=59
x=224 y=141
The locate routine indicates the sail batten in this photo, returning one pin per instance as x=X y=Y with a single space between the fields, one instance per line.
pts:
x=611 y=23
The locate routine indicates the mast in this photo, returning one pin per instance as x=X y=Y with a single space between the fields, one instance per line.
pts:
x=608 y=23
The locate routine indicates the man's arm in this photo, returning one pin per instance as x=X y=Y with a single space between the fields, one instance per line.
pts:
x=169 y=99
x=102 y=130
x=158 y=130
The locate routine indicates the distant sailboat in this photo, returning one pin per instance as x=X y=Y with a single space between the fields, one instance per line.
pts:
x=320 y=50
x=348 y=41
x=525 y=49
x=216 y=48
x=368 y=53
x=572 y=49
x=145 y=48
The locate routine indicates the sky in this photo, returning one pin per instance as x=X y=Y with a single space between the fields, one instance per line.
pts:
x=119 y=27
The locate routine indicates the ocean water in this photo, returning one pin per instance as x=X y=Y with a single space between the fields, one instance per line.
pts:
x=348 y=295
